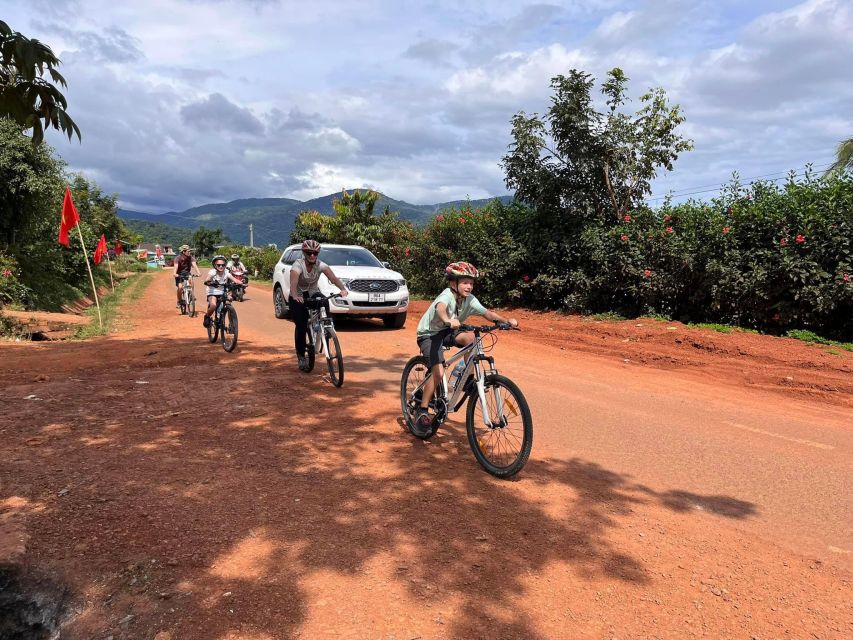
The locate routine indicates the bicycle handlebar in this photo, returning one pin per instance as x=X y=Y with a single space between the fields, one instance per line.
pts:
x=480 y=328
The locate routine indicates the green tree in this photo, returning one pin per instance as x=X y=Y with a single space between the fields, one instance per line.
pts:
x=205 y=240
x=843 y=157
x=25 y=95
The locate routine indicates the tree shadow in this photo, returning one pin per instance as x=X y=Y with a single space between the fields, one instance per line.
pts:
x=223 y=498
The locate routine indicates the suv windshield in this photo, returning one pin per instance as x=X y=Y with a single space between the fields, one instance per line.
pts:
x=344 y=257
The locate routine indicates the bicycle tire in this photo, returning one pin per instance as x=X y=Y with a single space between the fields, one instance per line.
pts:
x=191 y=305
x=228 y=330
x=334 y=357
x=310 y=352
x=183 y=306
x=412 y=377
x=510 y=445
x=213 y=329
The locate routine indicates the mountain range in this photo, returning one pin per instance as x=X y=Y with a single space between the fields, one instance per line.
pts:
x=273 y=218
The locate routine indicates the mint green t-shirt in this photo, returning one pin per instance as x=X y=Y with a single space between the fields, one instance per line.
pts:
x=430 y=323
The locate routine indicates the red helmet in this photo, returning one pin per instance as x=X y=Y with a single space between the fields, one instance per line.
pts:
x=456 y=270
x=310 y=245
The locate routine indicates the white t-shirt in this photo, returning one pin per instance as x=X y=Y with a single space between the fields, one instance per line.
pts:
x=308 y=280
x=218 y=279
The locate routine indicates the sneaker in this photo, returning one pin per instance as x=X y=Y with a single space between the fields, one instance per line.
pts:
x=423 y=422
x=206 y=321
x=303 y=363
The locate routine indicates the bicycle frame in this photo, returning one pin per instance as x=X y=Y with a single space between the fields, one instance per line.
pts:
x=317 y=318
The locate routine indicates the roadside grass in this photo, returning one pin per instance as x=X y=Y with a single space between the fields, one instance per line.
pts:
x=607 y=315
x=720 y=328
x=130 y=289
x=11 y=329
x=812 y=338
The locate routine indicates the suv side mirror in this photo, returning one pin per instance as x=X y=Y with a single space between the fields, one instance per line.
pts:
x=387 y=265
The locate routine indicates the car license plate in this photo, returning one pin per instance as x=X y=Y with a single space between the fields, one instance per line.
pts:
x=376 y=297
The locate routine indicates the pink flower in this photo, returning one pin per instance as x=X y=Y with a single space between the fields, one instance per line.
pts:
x=783 y=241
x=526 y=278
x=623 y=238
x=476 y=211
x=627 y=218
x=440 y=218
x=407 y=252
x=846 y=277
x=669 y=230
x=461 y=220
x=7 y=273
x=800 y=239
x=647 y=272
x=725 y=229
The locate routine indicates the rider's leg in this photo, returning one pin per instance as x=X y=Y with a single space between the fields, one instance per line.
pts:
x=299 y=312
x=211 y=306
x=179 y=288
x=429 y=385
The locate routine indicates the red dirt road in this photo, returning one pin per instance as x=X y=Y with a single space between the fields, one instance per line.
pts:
x=683 y=483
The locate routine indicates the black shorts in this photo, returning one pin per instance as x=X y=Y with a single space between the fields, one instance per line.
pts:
x=180 y=277
x=432 y=347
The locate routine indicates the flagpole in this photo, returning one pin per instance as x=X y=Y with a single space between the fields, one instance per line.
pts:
x=91 y=277
x=110 y=265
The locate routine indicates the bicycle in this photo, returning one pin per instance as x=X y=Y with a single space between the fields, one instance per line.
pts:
x=188 y=296
x=322 y=337
x=503 y=436
x=223 y=324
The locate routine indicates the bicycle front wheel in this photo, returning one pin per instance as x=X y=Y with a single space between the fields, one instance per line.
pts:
x=310 y=351
x=502 y=447
x=191 y=304
x=411 y=387
x=229 y=328
x=213 y=329
x=334 y=357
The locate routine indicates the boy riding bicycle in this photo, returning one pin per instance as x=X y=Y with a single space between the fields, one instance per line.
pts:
x=438 y=328
x=216 y=278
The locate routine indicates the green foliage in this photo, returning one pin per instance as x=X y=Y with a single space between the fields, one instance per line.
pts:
x=158 y=233
x=204 y=241
x=128 y=263
x=25 y=96
x=262 y=259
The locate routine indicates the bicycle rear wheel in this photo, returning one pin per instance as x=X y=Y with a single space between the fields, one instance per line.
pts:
x=414 y=374
x=334 y=357
x=229 y=328
x=503 y=447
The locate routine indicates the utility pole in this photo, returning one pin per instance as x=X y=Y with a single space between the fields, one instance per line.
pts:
x=251 y=235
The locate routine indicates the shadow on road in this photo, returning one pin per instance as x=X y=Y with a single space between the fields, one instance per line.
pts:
x=202 y=492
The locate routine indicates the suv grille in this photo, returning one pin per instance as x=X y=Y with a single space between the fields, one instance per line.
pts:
x=373 y=286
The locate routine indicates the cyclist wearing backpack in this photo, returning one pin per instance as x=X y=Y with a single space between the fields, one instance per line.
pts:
x=304 y=278
x=439 y=326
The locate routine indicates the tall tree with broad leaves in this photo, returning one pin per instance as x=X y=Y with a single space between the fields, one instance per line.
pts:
x=25 y=96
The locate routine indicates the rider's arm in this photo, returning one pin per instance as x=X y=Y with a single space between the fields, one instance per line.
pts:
x=441 y=312
x=494 y=317
x=294 y=285
x=327 y=270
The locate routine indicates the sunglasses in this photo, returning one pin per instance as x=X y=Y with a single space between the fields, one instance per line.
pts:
x=310 y=253
x=219 y=265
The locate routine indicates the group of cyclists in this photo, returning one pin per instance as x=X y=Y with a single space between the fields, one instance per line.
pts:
x=223 y=271
x=438 y=328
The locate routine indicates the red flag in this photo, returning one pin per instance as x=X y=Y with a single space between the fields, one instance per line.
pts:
x=101 y=249
x=118 y=248
x=69 y=220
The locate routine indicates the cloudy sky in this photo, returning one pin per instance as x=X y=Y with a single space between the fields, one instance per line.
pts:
x=183 y=102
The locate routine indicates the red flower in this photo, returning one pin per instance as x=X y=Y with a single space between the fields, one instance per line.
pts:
x=623 y=238
x=407 y=252
x=440 y=218
x=526 y=278
x=776 y=317
x=725 y=229
x=476 y=211
x=800 y=239
x=669 y=230
x=783 y=241
x=7 y=273
x=627 y=218
x=461 y=220
x=846 y=277
x=647 y=272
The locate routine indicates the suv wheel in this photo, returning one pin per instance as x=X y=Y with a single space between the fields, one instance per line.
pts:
x=279 y=304
x=395 y=321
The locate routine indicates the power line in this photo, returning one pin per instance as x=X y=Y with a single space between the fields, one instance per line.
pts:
x=689 y=191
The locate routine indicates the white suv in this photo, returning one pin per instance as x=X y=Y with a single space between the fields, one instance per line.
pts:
x=375 y=290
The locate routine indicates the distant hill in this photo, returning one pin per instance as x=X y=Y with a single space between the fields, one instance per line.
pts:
x=273 y=218
x=159 y=233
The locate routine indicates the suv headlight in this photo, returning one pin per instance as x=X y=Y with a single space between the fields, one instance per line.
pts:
x=401 y=282
x=346 y=281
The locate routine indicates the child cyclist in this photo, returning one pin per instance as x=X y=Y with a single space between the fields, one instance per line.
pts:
x=216 y=277
x=439 y=327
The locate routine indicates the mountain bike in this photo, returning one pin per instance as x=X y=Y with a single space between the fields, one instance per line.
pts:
x=223 y=324
x=322 y=337
x=498 y=420
x=188 y=296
